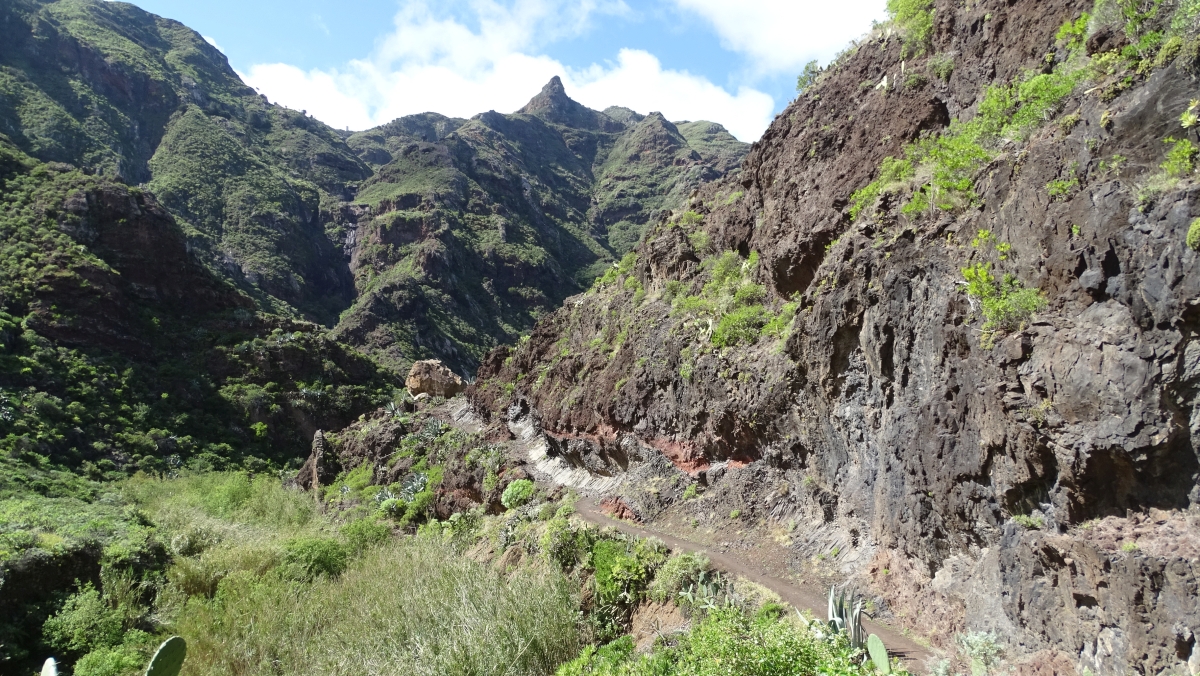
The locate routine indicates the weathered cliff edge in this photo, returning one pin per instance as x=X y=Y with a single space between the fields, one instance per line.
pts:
x=1044 y=488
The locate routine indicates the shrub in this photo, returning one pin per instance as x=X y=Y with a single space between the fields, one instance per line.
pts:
x=1193 y=235
x=741 y=325
x=689 y=493
x=310 y=557
x=562 y=544
x=1062 y=188
x=593 y=660
x=941 y=65
x=812 y=70
x=729 y=642
x=1030 y=522
x=365 y=533
x=915 y=19
x=1181 y=158
x=781 y=323
x=982 y=649
x=418 y=508
x=1073 y=34
x=622 y=572
x=117 y=661
x=517 y=493
x=1006 y=304
x=678 y=573
x=85 y=623
x=892 y=173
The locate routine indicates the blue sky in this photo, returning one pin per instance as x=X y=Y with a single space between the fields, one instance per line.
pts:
x=732 y=61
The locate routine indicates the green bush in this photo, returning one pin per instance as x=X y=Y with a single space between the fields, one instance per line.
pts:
x=952 y=158
x=914 y=18
x=728 y=641
x=310 y=557
x=418 y=509
x=1006 y=304
x=517 y=493
x=1062 y=188
x=741 y=325
x=365 y=533
x=1193 y=235
x=1073 y=34
x=593 y=660
x=1181 y=158
x=121 y=660
x=780 y=324
x=941 y=66
x=85 y=623
x=563 y=545
x=1030 y=522
x=808 y=78
x=678 y=573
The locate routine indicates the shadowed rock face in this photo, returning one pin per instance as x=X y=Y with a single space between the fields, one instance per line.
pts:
x=903 y=440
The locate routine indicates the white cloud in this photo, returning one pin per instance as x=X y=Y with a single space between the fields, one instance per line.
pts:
x=433 y=61
x=780 y=36
x=213 y=43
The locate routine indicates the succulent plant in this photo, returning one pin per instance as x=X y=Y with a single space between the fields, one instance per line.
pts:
x=845 y=618
x=878 y=654
x=50 y=668
x=168 y=660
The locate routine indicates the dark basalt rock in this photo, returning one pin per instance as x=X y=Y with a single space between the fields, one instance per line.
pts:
x=898 y=435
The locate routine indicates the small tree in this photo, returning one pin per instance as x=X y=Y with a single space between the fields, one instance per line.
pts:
x=809 y=77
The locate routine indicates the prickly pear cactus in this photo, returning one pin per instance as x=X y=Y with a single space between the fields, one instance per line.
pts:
x=50 y=668
x=878 y=654
x=169 y=658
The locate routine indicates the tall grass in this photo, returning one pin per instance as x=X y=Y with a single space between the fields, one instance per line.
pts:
x=409 y=607
x=400 y=606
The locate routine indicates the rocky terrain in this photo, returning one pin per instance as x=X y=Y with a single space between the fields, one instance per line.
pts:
x=941 y=325
x=932 y=336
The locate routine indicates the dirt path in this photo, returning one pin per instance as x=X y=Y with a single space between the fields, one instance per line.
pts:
x=456 y=412
x=802 y=597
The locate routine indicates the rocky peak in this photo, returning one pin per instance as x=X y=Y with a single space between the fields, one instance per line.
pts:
x=553 y=105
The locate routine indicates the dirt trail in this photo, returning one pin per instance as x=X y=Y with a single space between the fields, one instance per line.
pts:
x=457 y=412
x=807 y=597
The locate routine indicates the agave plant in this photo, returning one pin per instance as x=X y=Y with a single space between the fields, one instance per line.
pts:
x=845 y=616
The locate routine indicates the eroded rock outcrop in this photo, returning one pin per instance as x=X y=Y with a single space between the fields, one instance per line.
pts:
x=433 y=378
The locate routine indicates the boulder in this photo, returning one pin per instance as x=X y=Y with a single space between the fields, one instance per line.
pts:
x=432 y=377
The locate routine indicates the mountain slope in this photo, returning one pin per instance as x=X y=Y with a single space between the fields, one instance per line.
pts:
x=941 y=325
x=111 y=88
x=274 y=199
x=469 y=230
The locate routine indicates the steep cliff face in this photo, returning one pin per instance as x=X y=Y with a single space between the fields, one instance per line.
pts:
x=947 y=368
